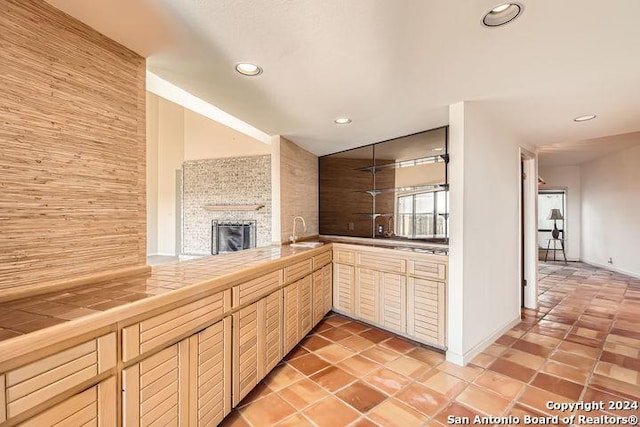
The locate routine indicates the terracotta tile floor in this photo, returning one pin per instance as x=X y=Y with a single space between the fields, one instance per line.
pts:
x=583 y=343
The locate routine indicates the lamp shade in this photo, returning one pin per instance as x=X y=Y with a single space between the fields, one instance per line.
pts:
x=555 y=214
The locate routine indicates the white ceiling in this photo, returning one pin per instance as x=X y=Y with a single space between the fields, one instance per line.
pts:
x=393 y=67
x=578 y=152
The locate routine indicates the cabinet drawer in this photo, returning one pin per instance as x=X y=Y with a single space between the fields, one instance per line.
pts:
x=321 y=260
x=428 y=269
x=343 y=256
x=257 y=288
x=37 y=382
x=95 y=406
x=382 y=262
x=164 y=328
x=298 y=270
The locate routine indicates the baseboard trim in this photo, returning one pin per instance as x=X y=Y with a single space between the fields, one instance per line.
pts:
x=464 y=359
x=611 y=268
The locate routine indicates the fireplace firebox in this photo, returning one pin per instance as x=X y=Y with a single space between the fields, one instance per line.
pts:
x=231 y=236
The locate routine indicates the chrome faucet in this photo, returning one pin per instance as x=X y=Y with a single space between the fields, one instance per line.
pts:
x=389 y=232
x=304 y=228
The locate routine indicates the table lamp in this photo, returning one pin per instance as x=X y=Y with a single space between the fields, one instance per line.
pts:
x=555 y=215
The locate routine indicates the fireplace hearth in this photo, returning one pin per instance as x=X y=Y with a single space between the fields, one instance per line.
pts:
x=231 y=236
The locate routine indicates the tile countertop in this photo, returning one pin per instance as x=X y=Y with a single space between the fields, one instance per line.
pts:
x=402 y=245
x=26 y=315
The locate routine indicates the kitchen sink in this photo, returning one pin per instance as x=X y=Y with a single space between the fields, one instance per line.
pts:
x=307 y=245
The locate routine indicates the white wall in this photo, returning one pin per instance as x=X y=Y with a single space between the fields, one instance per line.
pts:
x=567 y=177
x=152 y=174
x=484 y=280
x=170 y=157
x=611 y=211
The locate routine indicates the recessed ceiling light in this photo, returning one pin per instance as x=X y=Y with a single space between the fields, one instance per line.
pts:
x=502 y=14
x=248 y=69
x=585 y=118
x=342 y=121
x=501 y=8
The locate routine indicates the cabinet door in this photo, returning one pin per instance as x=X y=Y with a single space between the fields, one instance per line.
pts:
x=245 y=351
x=298 y=319
x=426 y=311
x=33 y=384
x=210 y=374
x=393 y=309
x=322 y=293
x=367 y=294
x=291 y=316
x=270 y=336
x=95 y=406
x=155 y=390
x=305 y=304
x=257 y=343
x=343 y=288
x=327 y=281
x=318 y=296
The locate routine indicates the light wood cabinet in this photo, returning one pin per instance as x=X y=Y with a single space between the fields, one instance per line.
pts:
x=27 y=387
x=257 y=288
x=318 y=297
x=257 y=343
x=344 y=288
x=185 y=359
x=298 y=314
x=271 y=333
x=367 y=300
x=95 y=406
x=402 y=293
x=155 y=390
x=298 y=270
x=426 y=310
x=187 y=383
x=327 y=287
x=321 y=260
x=393 y=310
x=322 y=293
x=427 y=269
x=159 y=331
x=343 y=256
x=382 y=261
x=210 y=374
x=381 y=298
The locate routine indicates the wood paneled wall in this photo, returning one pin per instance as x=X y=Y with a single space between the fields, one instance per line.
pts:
x=72 y=148
x=342 y=197
x=298 y=189
x=343 y=200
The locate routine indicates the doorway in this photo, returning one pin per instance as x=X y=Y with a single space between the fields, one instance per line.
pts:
x=548 y=202
x=528 y=247
x=523 y=280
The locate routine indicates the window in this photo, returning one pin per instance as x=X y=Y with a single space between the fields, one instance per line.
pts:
x=422 y=215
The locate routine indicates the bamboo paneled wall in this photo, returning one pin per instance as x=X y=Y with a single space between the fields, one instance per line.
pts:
x=72 y=148
x=298 y=189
